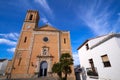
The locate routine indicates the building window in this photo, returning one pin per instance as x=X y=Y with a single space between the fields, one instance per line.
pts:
x=92 y=64
x=25 y=39
x=19 y=57
x=31 y=16
x=92 y=70
x=87 y=46
x=19 y=61
x=45 y=39
x=64 y=41
x=106 y=61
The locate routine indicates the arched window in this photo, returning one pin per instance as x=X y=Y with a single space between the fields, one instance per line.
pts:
x=64 y=41
x=31 y=16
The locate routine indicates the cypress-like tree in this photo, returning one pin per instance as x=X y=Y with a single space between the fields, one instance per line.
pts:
x=63 y=66
x=66 y=61
x=57 y=69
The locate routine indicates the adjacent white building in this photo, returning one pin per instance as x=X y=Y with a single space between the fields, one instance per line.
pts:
x=100 y=58
x=3 y=65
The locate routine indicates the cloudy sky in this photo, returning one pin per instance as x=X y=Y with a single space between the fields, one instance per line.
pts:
x=83 y=18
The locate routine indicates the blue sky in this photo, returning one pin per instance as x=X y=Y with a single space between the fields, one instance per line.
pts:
x=83 y=18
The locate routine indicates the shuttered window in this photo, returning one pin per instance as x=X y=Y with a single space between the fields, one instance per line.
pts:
x=106 y=61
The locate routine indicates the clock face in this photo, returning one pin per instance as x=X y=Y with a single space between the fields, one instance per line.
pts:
x=28 y=27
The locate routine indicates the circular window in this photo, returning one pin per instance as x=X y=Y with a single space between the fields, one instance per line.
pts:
x=45 y=39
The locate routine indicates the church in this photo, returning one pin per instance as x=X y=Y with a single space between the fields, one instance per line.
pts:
x=38 y=48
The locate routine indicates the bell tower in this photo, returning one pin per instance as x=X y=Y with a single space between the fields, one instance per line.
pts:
x=21 y=61
x=32 y=16
x=31 y=20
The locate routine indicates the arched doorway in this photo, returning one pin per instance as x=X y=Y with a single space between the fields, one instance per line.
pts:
x=43 y=69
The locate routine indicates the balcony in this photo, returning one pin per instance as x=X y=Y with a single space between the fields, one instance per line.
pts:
x=91 y=73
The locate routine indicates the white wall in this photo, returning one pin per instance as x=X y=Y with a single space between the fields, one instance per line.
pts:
x=112 y=49
x=118 y=41
x=96 y=40
x=0 y=65
x=3 y=66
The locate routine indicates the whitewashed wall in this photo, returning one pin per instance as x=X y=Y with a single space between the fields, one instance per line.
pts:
x=3 y=66
x=110 y=47
x=0 y=65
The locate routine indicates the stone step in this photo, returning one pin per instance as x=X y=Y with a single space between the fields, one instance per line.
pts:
x=45 y=78
x=41 y=78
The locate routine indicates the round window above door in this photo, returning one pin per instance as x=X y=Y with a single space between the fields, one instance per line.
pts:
x=45 y=39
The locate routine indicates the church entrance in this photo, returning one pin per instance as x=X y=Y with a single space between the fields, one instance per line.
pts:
x=43 y=69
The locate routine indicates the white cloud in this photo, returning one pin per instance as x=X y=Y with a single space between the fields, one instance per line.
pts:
x=13 y=36
x=119 y=14
x=11 y=50
x=44 y=20
x=7 y=42
x=96 y=15
x=45 y=6
x=9 y=39
x=76 y=58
